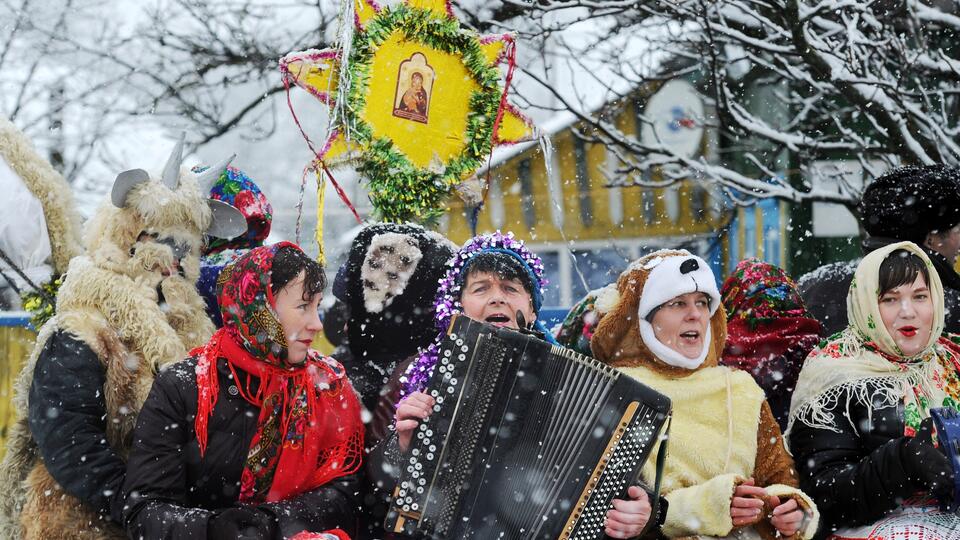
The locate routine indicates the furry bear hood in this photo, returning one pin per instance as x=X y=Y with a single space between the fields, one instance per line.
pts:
x=617 y=340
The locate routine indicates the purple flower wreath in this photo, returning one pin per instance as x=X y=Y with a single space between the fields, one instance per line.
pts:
x=447 y=301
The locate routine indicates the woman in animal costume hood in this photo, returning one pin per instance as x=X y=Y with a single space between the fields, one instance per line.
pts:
x=125 y=310
x=859 y=419
x=726 y=472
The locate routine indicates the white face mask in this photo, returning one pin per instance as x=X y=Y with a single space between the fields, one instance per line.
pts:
x=666 y=354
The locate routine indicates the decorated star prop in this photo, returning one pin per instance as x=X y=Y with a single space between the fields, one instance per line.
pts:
x=424 y=105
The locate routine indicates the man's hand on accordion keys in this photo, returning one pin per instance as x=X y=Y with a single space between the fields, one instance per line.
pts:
x=410 y=412
x=628 y=518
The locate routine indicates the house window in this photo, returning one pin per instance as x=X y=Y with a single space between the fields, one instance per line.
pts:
x=526 y=193
x=649 y=209
x=495 y=202
x=598 y=268
x=698 y=203
x=583 y=181
x=551 y=271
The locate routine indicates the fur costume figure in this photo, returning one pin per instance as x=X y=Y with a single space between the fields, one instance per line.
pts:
x=722 y=431
x=124 y=311
x=388 y=283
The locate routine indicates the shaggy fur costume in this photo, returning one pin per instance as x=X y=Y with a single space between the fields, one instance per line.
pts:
x=50 y=188
x=722 y=430
x=109 y=301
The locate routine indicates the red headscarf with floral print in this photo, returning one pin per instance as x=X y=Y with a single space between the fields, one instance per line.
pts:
x=765 y=315
x=309 y=430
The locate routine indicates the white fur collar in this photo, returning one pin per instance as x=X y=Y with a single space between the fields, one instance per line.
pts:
x=666 y=354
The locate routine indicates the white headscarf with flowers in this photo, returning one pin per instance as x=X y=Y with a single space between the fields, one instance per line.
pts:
x=865 y=364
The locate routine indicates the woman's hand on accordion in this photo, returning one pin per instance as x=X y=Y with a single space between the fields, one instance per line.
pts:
x=410 y=412
x=628 y=518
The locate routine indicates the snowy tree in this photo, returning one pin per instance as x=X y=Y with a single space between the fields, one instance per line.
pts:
x=792 y=82
x=62 y=97
x=75 y=73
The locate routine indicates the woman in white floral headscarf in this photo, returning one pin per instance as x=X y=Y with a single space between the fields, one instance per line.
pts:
x=859 y=420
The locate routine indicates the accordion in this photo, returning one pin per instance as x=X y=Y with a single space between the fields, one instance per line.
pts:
x=526 y=440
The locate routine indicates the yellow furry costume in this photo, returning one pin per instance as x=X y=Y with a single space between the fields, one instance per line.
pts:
x=110 y=301
x=722 y=432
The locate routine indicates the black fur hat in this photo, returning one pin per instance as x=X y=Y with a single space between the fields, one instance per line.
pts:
x=910 y=202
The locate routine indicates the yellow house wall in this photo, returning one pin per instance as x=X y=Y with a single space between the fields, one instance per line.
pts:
x=602 y=227
x=16 y=342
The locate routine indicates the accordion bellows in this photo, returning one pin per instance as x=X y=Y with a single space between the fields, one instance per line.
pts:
x=527 y=440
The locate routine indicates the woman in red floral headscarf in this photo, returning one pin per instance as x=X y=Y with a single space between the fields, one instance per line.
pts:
x=769 y=331
x=255 y=434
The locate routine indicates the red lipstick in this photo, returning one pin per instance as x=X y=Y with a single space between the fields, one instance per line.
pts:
x=908 y=331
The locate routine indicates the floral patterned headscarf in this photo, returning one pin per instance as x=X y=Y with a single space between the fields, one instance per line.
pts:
x=759 y=292
x=309 y=429
x=769 y=331
x=865 y=356
x=235 y=188
x=448 y=304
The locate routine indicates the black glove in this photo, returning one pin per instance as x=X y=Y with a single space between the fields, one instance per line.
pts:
x=243 y=522
x=927 y=467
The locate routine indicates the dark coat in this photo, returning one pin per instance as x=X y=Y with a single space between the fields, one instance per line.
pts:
x=173 y=492
x=860 y=473
x=824 y=292
x=67 y=412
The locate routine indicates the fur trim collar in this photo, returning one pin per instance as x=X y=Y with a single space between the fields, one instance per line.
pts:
x=161 y=334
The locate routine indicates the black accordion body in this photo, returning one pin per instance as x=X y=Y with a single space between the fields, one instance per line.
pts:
x=526 y=440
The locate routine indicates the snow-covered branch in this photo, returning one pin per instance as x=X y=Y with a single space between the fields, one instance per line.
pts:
x=791 y=82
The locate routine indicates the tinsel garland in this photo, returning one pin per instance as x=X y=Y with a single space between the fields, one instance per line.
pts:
x=42 y=304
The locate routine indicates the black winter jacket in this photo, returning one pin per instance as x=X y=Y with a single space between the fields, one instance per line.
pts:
x=858 y=474
x=67 y=412
x=172 y=492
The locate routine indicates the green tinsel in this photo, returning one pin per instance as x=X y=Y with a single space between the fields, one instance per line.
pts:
x=42 y=304
x=399 y=190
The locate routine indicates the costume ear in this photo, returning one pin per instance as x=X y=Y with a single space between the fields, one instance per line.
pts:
x=227 y=222
x=171 y=171
x=126 y=181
